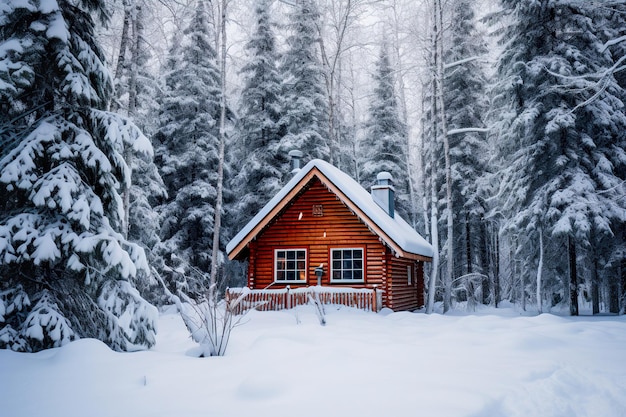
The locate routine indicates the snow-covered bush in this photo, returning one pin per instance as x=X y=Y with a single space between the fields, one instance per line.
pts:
x=45 y=326
x=132 y=321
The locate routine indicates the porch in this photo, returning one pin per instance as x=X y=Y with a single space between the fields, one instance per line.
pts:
x=368 y=299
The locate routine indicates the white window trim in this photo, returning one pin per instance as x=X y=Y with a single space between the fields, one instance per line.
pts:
x=348 y=281
x=306 y=266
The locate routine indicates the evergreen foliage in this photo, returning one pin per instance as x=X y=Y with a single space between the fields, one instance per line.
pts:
x=384 y=147
x=187 y=155
x=466 y=105
x=562 y=154
x=62 y=256
x=305 y=112
x=261 y=163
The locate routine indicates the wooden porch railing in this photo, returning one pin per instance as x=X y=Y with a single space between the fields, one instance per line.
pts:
x=369 y=299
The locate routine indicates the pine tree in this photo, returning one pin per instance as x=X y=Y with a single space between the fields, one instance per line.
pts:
x=385 y=144
x=147 y=188
x=187 y=155
x=305 y=113
x=561 y=152
x=465 y=103
x=262 y=163
x=66 y=268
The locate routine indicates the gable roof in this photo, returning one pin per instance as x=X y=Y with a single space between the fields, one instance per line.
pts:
x=395 y=232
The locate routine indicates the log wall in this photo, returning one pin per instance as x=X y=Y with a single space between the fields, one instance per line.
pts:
x=318 y=222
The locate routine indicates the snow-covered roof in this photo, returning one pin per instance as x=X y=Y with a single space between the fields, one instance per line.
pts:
x=395 y=232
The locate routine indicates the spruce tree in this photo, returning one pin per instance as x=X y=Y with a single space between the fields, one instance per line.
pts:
x=65 y=268
x=187 y=155
x=562 y=152
x=261 y=162
x=305 y=112
x=466 y=106
x=136 y=91
x=384 y=146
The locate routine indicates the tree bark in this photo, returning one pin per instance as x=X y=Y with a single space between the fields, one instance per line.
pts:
x=540 y=273
x=573 y=280
x=595 y=290
x=220 y=166
x=439 y=71
x=434 y=233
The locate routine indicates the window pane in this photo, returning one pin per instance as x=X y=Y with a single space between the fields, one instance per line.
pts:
x=280 y=254
x=291 y=265
x=301 y=254
x=347 y=264
x=291 y=275
x=280 y=275
x=291 y=254
x=301 y=265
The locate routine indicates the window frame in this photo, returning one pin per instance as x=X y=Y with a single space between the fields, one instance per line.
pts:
x=342 y=280
x=285 y=269
x=409 y=273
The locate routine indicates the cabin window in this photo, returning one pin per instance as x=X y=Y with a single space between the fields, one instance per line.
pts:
x=290 y=265
x=346 y=265
x=409 y=274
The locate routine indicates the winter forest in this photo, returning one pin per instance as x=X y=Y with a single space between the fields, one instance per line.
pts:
x=138 y=136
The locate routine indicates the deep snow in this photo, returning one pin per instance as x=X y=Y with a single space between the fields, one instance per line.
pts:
x=493 y=363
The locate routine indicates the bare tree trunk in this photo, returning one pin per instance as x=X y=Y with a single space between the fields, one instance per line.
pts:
x=439 y=68
x=434 y=234
x=595 y=293
x=496 y=269
x=573 y=279
x=468 y=244
x=121 y=57
x=539 y=273
x=220 y=166
x=423 y=166
x=331 y=68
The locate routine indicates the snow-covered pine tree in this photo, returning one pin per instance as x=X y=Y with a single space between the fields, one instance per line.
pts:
x=65 y=267
x=561 y=151
x=187 y=155
x=260 y=168
x=384 y=145
x=138 y=101
x=305 y=112
x=466 y=106
x=612 y=21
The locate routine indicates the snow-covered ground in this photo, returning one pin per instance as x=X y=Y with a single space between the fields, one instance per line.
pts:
x=494 y=363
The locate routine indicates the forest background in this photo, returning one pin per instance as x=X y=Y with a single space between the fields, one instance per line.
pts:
x=502 y=123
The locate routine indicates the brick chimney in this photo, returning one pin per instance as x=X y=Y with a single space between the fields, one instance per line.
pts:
x=383 y=192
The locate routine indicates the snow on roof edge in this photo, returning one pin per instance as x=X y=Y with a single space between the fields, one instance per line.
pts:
x=398 y=230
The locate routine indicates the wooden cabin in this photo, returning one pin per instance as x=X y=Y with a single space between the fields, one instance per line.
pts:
x=324 y=221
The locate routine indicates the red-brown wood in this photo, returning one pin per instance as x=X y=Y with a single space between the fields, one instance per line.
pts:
x=300 y=226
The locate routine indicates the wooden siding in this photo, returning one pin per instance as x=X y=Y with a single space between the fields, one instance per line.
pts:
x=297 y=227
x=403 y=296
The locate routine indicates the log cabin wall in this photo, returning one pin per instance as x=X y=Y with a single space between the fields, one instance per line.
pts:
x=405 y=296
x=318 y=222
